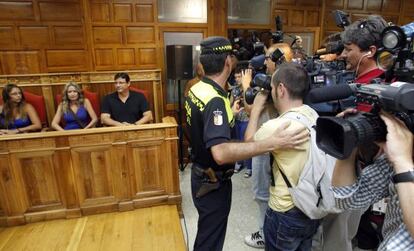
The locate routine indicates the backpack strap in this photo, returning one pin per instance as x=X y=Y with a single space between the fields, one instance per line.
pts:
x=300 y=118
x=285 y=178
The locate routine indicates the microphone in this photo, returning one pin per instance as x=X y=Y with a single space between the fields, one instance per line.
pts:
x=329 y=93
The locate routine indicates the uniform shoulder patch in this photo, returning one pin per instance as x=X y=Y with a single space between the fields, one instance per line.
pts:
x=218 y=117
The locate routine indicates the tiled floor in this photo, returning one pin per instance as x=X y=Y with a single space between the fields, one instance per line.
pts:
x=243 y=214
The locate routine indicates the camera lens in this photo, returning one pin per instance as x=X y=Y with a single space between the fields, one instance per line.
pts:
x=339 y=136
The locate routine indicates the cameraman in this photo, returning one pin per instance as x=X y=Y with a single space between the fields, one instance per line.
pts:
x=261 y=164
x=391 y=175
x=361 y=40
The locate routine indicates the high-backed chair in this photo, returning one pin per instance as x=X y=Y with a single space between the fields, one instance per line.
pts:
x=38 y=102
x=144 y=92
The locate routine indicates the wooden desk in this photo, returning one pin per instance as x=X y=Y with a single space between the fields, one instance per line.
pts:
x=49 y=175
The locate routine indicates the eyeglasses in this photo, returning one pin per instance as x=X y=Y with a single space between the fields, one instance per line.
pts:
x=268 y=57
x=15 y=93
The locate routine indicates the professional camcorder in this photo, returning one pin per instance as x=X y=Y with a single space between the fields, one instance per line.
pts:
x=339 y=136
x=327 y=73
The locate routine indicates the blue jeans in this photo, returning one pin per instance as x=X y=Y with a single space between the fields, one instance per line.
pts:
x=288 y=231
x=260 y=184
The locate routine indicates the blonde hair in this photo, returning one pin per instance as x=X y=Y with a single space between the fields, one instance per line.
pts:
x=287 y=51
x=65 y=98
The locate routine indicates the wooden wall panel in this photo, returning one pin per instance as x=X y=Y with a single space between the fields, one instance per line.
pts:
x=66 y=60
x=107 y=35
x=7 y=37
x=15 y=10
x=147 y=57
x=52 y=11
x=34 y=37
x=136 y=35
x=104 y=58
x=144 y=13
x=100 y=12
x=21 y=62
x=122 y=12
x=126 y=57
x=68 y=35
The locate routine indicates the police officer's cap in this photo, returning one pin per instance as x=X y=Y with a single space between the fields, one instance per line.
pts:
x=215 y=45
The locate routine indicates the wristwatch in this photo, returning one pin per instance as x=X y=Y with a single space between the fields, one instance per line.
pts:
x=403 y=177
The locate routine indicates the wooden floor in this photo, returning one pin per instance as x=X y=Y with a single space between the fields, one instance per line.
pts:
x=154 y=228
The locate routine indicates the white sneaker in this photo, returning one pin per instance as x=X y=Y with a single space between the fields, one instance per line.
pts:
x=255 y=240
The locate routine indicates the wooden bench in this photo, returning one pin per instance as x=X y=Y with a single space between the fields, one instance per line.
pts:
x=50 y=175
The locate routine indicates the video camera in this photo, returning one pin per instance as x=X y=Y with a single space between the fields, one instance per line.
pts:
x=339 y=136
x=327 y=73
x=260 y=82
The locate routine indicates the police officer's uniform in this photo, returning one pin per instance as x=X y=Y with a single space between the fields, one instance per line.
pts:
x=210 y=121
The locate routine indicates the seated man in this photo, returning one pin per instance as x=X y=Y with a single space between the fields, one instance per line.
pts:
x=124 y=107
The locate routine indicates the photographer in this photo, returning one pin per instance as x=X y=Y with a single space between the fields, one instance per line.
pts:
x=391 y=175
x=289 y=86
x=361 y=40
x=261 y=164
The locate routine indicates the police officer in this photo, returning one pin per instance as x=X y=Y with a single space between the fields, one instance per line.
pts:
x=210 y=120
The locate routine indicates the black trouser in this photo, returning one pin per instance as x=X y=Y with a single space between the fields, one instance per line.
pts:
x=213 y=212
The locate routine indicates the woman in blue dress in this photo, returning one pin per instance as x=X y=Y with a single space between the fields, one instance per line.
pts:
x=16 y=115
x=75 y=109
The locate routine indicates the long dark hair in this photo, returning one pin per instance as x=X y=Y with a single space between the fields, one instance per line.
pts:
x=7 y=112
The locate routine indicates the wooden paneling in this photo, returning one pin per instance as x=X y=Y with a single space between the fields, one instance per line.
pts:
x=126 y=57
x=49 y=85
x=20 y=62
x=144 y=13
x=122 y=13
x=15 y=10
x=7 y=37
x=68 y=35
x=100 y=12
x=107 y=35
x=34 y=37
x=52 y=11
x=140 y=35
x=69 y=60
x=390 y=10
x=51 y=175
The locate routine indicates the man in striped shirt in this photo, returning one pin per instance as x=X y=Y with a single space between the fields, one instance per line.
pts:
x=391 y=175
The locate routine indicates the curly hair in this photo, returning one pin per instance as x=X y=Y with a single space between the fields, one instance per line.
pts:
x=7 y=112
x=65 y=98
